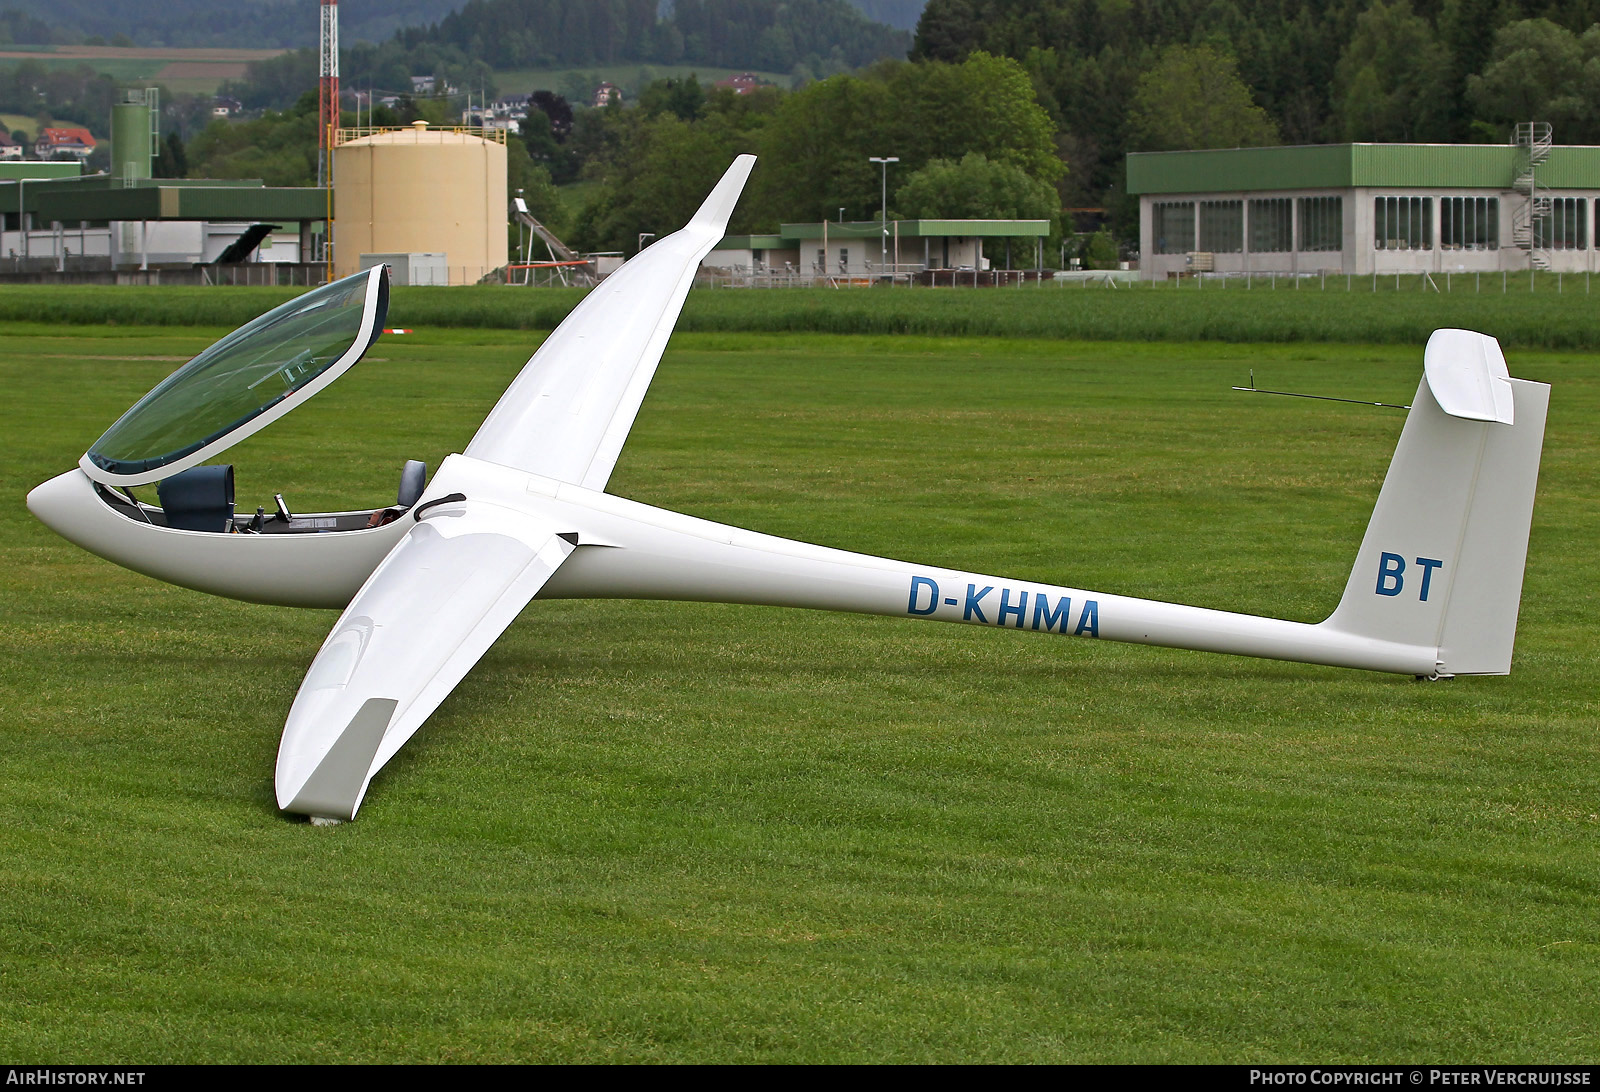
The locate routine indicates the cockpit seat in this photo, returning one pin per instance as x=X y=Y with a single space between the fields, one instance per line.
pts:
x=199 y=499
x=413 y=479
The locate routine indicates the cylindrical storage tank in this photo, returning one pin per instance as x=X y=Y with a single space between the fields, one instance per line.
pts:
x=130 y=138
x=421 y=190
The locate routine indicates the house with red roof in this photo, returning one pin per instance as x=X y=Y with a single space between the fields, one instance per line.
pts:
x=742 y=83
x=61 y=143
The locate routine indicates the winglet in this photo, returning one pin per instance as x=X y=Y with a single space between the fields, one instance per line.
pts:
x=718 y=206
x=335 y=787
x=1467 y=376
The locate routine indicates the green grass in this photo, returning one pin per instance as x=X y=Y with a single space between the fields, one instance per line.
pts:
x=575 y=196
x=13 y=122
x=1520 y=318
x=676 y=832
x=120 y=68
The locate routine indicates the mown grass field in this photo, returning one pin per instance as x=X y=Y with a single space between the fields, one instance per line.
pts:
x=15 y=122
x=1549 y=313
x=191 y=70
x=675 y=832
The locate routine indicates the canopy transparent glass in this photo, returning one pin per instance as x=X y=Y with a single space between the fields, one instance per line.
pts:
x=244 y=375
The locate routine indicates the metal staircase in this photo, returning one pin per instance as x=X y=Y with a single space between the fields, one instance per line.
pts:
x=1530 y=219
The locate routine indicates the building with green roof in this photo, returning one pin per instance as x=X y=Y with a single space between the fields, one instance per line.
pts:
x=54 y=218
x=1368 y=208
x=869 y=248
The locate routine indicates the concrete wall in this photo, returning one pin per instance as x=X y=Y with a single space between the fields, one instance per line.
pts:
x=857 y=257
x=747 y=260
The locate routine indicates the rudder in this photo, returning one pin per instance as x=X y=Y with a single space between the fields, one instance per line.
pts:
x=1442 y=561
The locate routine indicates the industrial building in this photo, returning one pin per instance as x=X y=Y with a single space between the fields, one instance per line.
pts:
x=106 y=223
x=1369 y=208
x=419 y=190
x=869 y=248
x=56 y=220
x=429 y=202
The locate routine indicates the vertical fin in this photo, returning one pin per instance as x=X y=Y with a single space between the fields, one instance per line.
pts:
x=1442 y=561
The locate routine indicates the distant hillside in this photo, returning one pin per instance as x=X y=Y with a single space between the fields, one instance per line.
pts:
x=273 y=23
x=241 y=23
x=772 y=35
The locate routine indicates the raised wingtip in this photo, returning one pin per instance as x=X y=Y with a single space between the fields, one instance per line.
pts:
x=334 y=786
x=1467 y=376
x=718 y=206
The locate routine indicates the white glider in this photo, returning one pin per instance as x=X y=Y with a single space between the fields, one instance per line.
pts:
x=428 y=584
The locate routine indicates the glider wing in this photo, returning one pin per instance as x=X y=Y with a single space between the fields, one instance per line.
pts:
x=413 y=631
x=568 y=413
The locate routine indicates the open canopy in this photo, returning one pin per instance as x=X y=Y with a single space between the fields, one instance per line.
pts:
x=244 y=382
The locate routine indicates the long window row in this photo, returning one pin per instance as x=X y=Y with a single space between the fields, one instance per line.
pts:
x=1465 y=223
x=1273 y=225
x=1473 y=223
x=1277 y=224
x=1403 y=223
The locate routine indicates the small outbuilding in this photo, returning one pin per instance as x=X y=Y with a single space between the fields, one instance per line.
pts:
x=865 y=249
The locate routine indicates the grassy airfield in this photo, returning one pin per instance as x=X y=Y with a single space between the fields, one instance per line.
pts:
x=674 y=832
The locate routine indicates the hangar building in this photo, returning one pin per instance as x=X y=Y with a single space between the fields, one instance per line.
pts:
x=1369 y=208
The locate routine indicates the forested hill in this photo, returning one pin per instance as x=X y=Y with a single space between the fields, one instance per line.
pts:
x=770 y=35
x=252 y=24
x=293 y=23
x=1312 y=70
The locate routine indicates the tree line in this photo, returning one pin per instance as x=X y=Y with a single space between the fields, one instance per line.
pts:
x=805 y=39
x=1140 y=75
x=970 y=138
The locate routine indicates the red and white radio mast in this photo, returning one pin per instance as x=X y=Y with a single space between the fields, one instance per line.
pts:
x=328 y=92
x=328 y=116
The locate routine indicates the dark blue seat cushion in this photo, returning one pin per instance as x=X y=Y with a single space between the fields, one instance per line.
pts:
x=199 y=499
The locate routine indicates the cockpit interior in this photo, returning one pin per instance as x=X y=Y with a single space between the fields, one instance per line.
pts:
x=233 y=389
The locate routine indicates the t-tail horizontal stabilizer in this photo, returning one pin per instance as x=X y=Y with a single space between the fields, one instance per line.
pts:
x=1442 y=562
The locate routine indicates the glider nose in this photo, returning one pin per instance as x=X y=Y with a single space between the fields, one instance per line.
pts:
x=53 y=503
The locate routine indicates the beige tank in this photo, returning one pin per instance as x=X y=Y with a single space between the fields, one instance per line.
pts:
x=421 y=190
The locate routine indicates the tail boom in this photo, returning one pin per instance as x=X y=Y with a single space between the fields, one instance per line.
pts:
x=861 y=584
x=627 y=550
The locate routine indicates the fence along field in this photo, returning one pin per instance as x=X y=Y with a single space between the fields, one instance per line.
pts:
x=1544 y=312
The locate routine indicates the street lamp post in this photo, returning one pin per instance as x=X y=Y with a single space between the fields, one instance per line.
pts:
x=883 y=208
